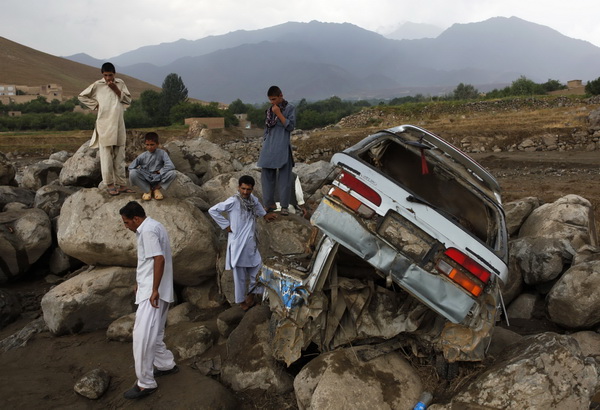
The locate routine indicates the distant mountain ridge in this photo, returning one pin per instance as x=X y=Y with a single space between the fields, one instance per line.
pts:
x=317 y=60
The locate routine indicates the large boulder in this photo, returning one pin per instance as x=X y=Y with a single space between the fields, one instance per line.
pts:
x=339 y=380
x=314 y=175
x=25 y=234
x=9 y=194
x=545 y=371
x=50 y=198
x=41 y=173
x=200 y=157
x=83 y=168
x=250 y=363
x=90 y=300
x=7 y=171
x=569 y=217
x=574 y=301
x=91 y=230
x=540 y=259
x=518 y=211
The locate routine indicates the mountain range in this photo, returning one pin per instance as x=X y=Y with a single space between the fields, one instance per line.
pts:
x=318 y=60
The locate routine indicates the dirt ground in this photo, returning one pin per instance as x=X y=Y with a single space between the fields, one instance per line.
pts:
x=43 y=373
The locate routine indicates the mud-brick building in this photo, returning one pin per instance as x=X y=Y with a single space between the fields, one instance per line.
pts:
x=25 y=93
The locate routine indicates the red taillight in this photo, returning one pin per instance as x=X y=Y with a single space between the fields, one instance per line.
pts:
x=462 y=278
x=469 y=264
x=352 y=202
x=359 y=187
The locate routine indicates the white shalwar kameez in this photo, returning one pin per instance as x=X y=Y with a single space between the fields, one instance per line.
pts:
x=242 y=255
x=149 y=349
x=109 y=134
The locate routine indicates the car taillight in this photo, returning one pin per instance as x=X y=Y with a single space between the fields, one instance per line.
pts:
x=359 y=187
x=352 y=202
x=460 y=277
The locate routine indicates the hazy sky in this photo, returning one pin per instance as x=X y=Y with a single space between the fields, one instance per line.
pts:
x=107 y=28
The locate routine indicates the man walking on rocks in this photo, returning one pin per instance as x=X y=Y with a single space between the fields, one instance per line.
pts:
x=154 y=293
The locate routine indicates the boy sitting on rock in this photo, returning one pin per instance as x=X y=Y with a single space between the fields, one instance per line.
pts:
x=152 y=170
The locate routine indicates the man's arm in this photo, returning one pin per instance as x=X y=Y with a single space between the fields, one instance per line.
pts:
x=159 y=269
x=87 y=99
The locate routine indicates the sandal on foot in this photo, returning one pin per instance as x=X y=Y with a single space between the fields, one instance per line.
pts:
x=284 y=212
x=126 y=190
x=158 y=195
x=112 y=191
x=147 y=196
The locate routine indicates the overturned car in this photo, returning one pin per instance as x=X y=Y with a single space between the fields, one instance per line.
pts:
x=410 y=248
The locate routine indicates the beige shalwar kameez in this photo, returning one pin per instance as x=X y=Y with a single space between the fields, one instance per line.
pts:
x=109 y=134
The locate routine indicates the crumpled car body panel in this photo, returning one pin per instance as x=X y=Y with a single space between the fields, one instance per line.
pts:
x=414 y=243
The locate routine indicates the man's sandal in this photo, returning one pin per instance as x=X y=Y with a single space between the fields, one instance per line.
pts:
x=147 y=196
x=158 y=195
x=112 y=191
x=126 y=190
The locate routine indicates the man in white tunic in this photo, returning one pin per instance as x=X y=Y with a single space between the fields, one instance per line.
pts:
x=154 y=277
x=109 y=96
x=242 y=255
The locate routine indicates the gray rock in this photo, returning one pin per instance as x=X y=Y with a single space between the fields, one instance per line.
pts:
x=102 y=239
x=589 y=343
x=314 y=175
x=93 y=384
x=574 y=302
x=200 y=157
x=566 y=218
x=223 y=186
x=228 y=320
x=188 y=339
x=7 y=171
x=60 y=156
x=540 y=259
x=501 y=339
x=338 y=379
x=524 y=306
x=539 y=372
x=83 y=168
x=204 y=296
x=20 y=338
x=89 y=301
x=121 y=329
x=41 y=173
x=10 y=194
x=50 y=198
x=60 y=263
x=184 y=312
x=249 y=363
x=24 y=236
x=518 y=211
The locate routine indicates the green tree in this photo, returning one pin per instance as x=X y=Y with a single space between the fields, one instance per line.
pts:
x=553 y=85
x=525 y=86
x=173 y=92
x=465 y=92
x=238 y=107
x=593 y=87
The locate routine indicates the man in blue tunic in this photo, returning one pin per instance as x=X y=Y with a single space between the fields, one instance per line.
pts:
x=242 y=245
x=276 y=153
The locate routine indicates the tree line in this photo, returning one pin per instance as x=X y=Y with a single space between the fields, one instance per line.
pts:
x=171 y=106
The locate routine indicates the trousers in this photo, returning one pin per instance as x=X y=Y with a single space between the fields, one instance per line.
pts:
x=112 y=164
x=149 y=349
x=244 y=279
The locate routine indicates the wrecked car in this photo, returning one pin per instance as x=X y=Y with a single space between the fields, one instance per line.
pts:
x=410 y=247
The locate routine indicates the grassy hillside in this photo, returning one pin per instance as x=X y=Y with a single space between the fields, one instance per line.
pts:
x=22 y=65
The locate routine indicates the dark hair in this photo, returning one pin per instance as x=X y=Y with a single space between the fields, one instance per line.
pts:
x=246 y=179
x=108 y=68
x=151 y=136
x=132 y=209
x=274 y=91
